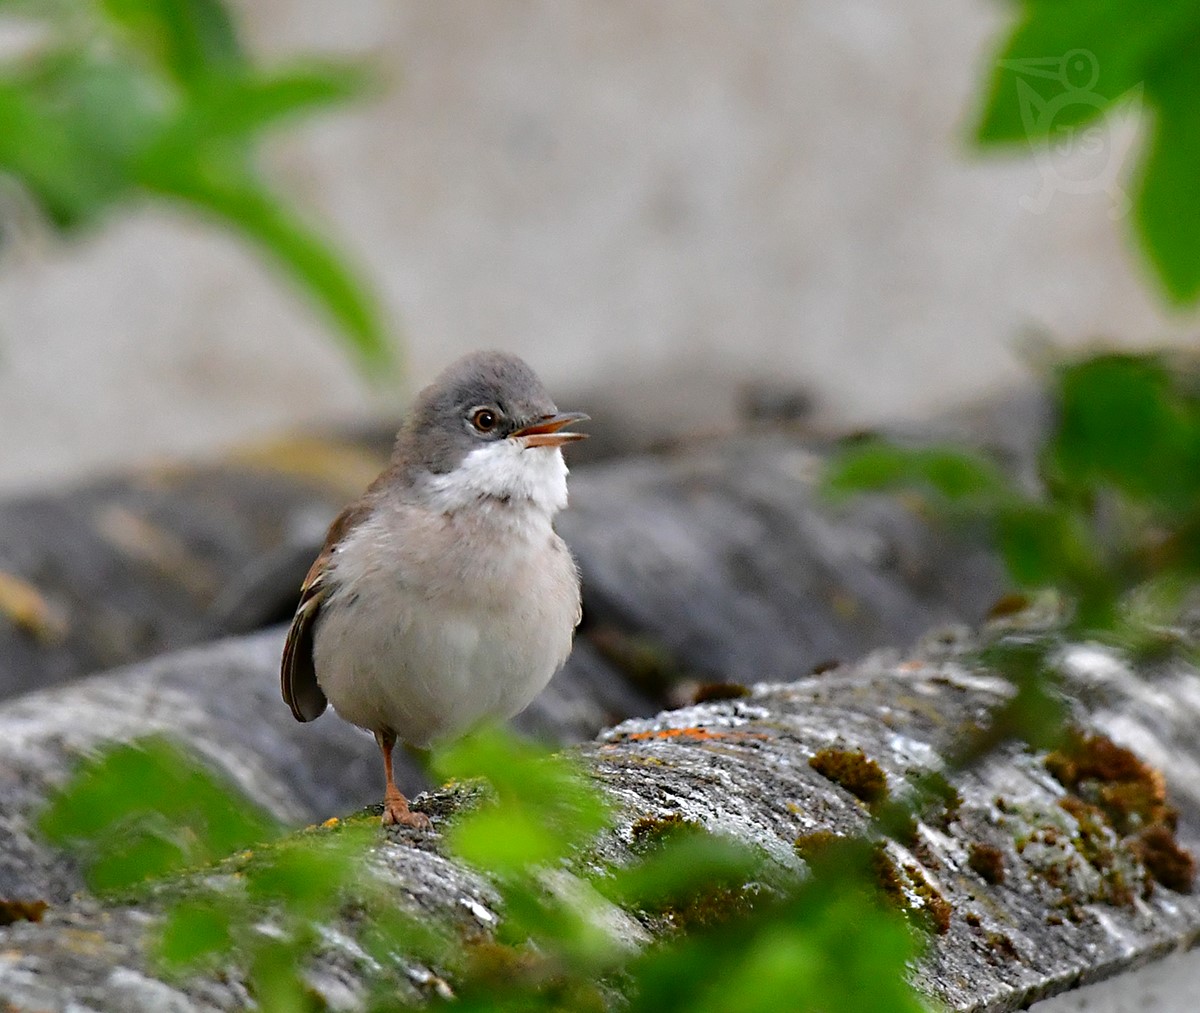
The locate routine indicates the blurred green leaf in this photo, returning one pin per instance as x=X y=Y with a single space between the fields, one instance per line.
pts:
x=1068 y=62
x=830 y=948
x=390 y=934
x=232 y=109
x=1121 y=422
x=545 y=805
x=686 y=868
x=1169 y=187
x=1119 y=511
x=157 y=99
x=195 y=930
x=1048 y=546
x=140 y=810
x=193 y=40
x=504 y=840
x=1036 y=712
x=68 y=129
x=877 y=465
x=1092 y=52
x=308 y=873
x=276 y=981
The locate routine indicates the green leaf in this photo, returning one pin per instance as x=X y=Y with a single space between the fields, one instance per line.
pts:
x=1168 y=196
x=1036 y=713
x=144 y=809
x=70 y=126
x=241 y=108
x=686 y=864
x=1067 y=61
x=505 y=841
x=43 y=154
x=308 y=873
x=529 y=778
x=955 y=474
x=830 y=948
x=275 y=981
x=192 y=40
x=1122 y=423
x=1048 y=546
x=195 y=929
x=164 y=103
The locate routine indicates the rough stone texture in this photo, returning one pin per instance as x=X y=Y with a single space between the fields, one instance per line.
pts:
x=741 y=767
x=718 y=555
x=115 y=571
x=714 y=564
x=223 y=702
x=1163 y=986
x=726 y=558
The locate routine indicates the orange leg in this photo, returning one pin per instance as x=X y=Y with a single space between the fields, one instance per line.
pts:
x=395 y=805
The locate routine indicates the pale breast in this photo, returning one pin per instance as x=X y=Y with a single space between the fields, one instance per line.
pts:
x=438 y=623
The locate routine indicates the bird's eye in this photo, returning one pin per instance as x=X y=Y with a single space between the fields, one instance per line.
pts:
x=485 y=420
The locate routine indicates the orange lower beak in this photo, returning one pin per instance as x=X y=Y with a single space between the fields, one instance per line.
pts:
x=546 y=431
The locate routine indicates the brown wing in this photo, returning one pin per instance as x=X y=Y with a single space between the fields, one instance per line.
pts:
x=298 y=674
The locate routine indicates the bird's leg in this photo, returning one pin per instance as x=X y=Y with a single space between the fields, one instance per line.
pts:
x=395 y=805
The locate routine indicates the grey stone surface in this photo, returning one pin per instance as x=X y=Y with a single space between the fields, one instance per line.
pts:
x=727 y=558
x=1164 y=986
x=741 y=767
x=1051 y=924
x=222 y=702
x=110 y=572
x=688 y=550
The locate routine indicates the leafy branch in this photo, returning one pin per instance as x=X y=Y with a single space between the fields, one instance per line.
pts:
x=734 y=930
x=127 y=100
x=1101 y=53
x=1114 y=527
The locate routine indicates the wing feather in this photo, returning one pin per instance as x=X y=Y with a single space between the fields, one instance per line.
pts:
x=298 y=674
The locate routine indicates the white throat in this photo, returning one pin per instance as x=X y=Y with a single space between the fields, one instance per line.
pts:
x=502 y=473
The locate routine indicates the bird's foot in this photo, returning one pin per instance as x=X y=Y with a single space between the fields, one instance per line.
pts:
x=397 y=813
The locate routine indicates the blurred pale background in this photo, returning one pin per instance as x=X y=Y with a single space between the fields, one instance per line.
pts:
x=653 y=201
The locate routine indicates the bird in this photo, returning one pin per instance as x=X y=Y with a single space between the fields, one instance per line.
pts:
x=443 y=598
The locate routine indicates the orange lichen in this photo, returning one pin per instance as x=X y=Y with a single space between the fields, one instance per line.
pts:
x=692 y=734
x=696 y=734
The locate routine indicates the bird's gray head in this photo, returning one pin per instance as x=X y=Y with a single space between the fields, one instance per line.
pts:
x=486 y=427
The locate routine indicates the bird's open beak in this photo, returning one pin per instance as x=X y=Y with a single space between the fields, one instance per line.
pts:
x=547 y=431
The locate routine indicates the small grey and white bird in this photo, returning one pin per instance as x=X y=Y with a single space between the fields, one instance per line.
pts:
x=443 y=597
